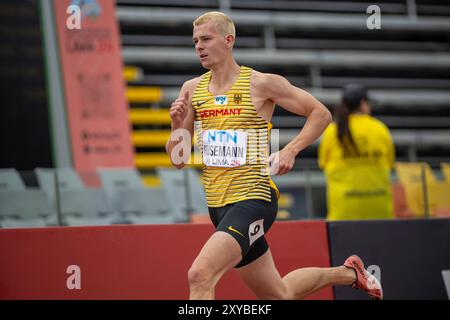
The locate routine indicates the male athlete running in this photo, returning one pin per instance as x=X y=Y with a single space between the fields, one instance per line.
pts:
x=234 y=106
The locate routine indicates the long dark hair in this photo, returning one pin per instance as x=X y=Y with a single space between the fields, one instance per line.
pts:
x=345 y=137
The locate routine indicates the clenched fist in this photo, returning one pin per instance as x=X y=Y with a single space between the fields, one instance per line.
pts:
x=179 y=110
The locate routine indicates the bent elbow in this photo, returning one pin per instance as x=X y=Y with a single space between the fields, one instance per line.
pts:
x=327 y=116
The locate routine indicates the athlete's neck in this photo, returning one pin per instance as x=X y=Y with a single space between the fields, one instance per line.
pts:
x=224 y=75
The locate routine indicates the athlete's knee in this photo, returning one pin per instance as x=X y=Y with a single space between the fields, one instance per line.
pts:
x=199 y=276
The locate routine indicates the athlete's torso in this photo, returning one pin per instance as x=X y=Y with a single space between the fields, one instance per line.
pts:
x=234 y=143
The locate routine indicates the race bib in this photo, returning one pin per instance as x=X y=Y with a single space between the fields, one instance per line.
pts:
x=224 y=148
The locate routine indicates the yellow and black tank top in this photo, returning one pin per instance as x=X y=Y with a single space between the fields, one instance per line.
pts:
x=229 y=175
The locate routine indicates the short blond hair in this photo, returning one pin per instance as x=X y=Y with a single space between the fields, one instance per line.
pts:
x=224 y=24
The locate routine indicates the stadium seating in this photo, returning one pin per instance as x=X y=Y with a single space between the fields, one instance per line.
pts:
x=21 y=206
x=78 y=205
x=405 y=67
x=317 y=45
x=424 y=193
x=445 y=167
x=400 y=205
x=184 y=190
x=136 y=202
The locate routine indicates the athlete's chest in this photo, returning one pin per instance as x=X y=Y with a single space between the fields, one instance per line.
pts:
x=239 y=101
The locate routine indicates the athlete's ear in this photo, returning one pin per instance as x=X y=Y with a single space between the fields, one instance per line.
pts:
x=230 y=40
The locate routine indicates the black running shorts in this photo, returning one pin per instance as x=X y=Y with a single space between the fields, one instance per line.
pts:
x=247 y=221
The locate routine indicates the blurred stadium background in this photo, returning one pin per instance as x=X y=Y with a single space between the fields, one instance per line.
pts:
x=318 y=45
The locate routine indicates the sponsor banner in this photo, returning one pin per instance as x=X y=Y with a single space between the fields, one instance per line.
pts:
x=407 y=256
x=136 y=262
x=97 y=111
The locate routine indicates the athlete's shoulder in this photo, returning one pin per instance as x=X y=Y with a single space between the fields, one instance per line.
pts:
x=266 y=78
x=267 y=81
x=191 y=84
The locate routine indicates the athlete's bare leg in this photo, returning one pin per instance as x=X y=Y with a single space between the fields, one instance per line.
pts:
x=262 y=277
x=305 y=281
x=219 y=254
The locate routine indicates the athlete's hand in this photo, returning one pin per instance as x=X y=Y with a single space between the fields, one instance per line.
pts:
x=179 y=110
x=281 y=162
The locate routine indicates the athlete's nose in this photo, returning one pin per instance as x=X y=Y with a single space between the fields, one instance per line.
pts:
x=199 y=46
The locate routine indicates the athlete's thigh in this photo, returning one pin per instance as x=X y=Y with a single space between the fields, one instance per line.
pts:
x=219 y=254
x=262 y=277
x=247 y=221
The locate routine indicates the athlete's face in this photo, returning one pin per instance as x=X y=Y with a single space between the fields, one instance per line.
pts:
x=210 y=46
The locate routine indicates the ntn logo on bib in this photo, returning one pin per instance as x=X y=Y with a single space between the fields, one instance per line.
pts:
x=224 y=148
x=224 y=136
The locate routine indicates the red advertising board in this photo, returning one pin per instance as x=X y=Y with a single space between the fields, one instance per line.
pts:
x=137 y=262
x=91 y=64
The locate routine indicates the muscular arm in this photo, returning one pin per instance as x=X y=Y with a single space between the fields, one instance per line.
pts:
x=179 y=144
x=300 y=102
